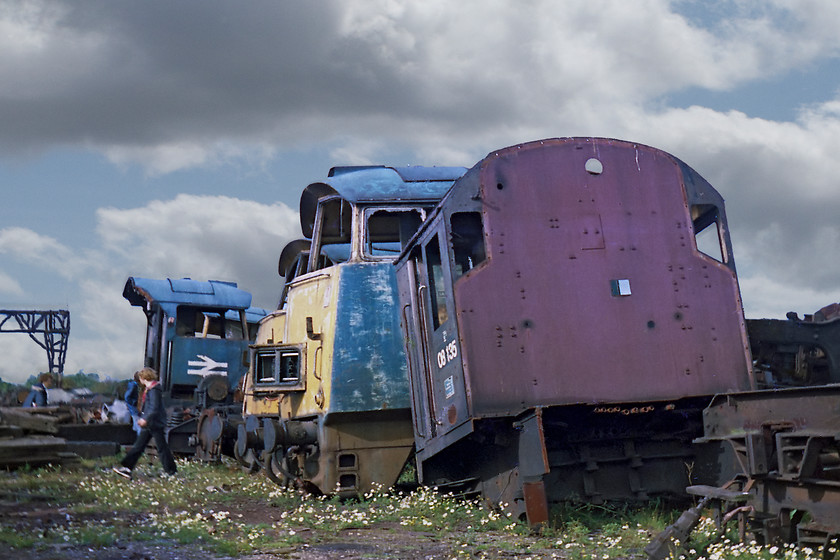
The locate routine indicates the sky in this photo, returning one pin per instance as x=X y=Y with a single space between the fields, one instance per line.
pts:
x=172 y=139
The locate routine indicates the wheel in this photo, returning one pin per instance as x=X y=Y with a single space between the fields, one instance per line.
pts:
x=209 y=435
x=249 y=461
x=244 y=449
x=276 y=468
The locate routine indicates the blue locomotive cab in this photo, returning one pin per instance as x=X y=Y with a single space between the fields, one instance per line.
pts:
x=327 y=399
x=197 y=338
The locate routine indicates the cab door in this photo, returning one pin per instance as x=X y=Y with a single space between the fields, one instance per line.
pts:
x=443 y=370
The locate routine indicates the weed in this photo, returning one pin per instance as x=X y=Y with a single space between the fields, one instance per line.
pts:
x=225 y=511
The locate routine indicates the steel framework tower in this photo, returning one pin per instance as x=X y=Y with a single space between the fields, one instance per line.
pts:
x=53 y=325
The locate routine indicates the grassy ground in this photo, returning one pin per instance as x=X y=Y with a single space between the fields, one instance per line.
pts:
x=218 y=511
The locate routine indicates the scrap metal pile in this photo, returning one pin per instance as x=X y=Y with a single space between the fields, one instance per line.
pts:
x=58 y=434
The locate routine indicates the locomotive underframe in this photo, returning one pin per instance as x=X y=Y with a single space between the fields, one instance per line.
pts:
x=343 y=454
x=786 y=446
x=580 y=453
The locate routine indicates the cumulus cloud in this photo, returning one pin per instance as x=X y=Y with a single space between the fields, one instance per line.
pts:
x=779 y=181
x=174 y=86
x=203 y=237
x=9 y=285
x=32 y=247
x=22 y=357
x=775 y=298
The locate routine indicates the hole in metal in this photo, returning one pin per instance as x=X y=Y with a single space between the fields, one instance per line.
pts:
x=594 y=166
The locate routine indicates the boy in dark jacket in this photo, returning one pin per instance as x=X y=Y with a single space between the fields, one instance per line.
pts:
x=152 y=423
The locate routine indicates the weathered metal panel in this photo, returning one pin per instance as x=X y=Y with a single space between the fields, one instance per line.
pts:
x=169 y=293
x=192 y=359
x=393 y=184
x=311 y=304
x=369 y=367
x=812 y=409
x=541 y=322
x=377 y=184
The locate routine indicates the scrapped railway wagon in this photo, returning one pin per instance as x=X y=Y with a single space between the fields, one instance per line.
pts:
x=786 y=489
x=326 y=398
x=796 y=352
x=569 y=310
x=197 y=338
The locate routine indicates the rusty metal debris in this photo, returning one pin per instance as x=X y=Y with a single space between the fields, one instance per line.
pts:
x=57 y=434
x=797 y=352
x=785 y=457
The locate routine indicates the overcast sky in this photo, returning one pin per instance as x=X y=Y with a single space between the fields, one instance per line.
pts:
x=171 y=139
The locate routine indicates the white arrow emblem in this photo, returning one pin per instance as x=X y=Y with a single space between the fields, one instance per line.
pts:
x=207 y=366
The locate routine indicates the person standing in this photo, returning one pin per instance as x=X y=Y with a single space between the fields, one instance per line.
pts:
x=37 y=396
x=132 y=400
x=152 y=423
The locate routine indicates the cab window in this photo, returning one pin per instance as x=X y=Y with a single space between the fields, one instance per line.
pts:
x=708 y=234
x=467 y=240
x=437 y=285
x=387 y=230
x=278 y=368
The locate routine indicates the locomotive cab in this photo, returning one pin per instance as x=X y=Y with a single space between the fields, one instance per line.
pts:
x=197 y=338
x=569 y=309
x=326 y=399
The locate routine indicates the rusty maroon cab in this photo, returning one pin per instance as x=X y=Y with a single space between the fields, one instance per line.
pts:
x=569 y=309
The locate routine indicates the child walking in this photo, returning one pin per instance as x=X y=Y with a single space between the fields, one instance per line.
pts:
x=152 y=422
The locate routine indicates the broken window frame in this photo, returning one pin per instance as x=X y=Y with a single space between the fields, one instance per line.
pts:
x=274 y=382
x=194 y=322
x=466 y=237
x=405 y=233
x=343 y=220
x=709 y=236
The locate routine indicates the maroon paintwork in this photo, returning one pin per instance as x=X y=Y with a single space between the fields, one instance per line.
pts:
x=563 y=331
x=538 y=322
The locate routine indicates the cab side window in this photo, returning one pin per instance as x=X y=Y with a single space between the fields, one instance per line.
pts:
x=467 y=240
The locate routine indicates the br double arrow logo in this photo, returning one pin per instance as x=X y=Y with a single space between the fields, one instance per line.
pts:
x=207 y=366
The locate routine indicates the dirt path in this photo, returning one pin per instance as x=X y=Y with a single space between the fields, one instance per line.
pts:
x=379 y=541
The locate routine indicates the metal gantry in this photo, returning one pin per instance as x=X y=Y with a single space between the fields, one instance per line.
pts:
x=53 y=325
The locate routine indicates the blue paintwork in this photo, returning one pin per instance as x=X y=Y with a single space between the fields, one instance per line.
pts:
x=378 y=184
x=252 y=315
x=384 y=184
x=168 y=293
x=227 y=353
x=383 y=175
x=369 y=366
x=172 y=354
